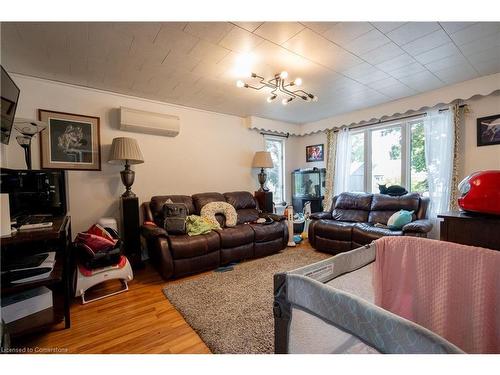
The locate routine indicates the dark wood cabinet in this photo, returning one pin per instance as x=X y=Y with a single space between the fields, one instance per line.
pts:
x=29 y=242
x=265 y=201
x=130 y=230
x=471 y=229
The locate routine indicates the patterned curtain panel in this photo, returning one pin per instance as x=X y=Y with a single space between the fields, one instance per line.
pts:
x=456 y=112
x=331 y=151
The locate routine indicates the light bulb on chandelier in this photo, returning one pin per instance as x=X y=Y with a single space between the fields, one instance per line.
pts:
x=271 y=98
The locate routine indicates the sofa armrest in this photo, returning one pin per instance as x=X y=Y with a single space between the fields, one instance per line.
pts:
x=150 y=230
x=418 y=226
x=320 y=215
x=273 y=216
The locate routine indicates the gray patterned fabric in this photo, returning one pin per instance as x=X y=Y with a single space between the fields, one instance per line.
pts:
x=350 y=314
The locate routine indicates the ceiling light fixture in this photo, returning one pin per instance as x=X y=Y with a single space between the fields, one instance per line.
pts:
x=278 y=85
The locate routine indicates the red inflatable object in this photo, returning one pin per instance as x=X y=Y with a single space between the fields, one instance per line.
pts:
x=481 y=192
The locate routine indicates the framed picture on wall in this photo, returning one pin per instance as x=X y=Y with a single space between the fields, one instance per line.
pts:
x=315 y=153
x=488 y=130
x=70 y=141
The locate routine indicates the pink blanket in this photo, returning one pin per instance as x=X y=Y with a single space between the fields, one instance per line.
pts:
x=450 y=289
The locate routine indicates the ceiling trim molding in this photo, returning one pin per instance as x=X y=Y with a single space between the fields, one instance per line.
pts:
x=279 y=127
x=482 y=86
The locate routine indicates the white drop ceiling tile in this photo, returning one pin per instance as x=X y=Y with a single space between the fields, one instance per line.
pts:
x=422 y=81
x=452 y=27
x=278 y=32
x=367 y=42
x=429 y=41
x=457 y=73
x=240 y=40
x=146 y=30
x=474 y=32
x=213 y=32
x=359 y=70
x=488 y=67
x=396 y=63
x=398 y=90
x=377 y=75
x=411 y=31
x=319 y=27
x=343 y=32
x=484 y=56
x=173 y=38
x=438 y=53
x=383 y=53
x=318 y=49
x=482 y=44
x=208 y=52
x=179 y=60
x=248 y=26
x=407 y=70
x=385 y=27
x=447 y=63
x=378 y=85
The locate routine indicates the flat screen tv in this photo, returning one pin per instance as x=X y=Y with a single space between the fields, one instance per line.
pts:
x=9 y=94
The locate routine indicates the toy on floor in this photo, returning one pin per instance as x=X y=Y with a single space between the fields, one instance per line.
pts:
x=289 y=216
x=307 y=220
x=87 y=278
x=99 y=258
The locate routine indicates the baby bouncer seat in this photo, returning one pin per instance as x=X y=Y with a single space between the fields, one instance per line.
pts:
x=99 y=259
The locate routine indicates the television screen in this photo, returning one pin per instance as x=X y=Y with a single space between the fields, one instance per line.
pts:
x=9 y=94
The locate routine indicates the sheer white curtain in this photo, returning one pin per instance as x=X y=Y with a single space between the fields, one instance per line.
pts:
x=439 y=143
x=342 y=161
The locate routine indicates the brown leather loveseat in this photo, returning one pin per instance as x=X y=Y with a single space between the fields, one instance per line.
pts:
x=351 y=221
x=176 y=255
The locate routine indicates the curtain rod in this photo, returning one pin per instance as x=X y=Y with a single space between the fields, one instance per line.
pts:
x=420 y=114
x=276 y=134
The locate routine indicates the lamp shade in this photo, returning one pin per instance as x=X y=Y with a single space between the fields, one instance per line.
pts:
x=125 y=149
x=262 y=159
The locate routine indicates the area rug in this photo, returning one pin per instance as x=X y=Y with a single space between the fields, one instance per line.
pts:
x=232 y=311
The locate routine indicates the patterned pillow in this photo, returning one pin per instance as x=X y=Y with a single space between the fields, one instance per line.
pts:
x=210 y=209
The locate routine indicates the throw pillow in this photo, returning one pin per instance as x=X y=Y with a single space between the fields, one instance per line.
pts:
x=210 y=209
x=399 y=219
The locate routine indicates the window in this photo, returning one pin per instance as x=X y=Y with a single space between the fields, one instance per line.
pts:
x=276 y=175
x=392 y=154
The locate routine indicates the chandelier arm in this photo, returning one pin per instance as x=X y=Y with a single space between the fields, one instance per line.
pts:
x=255 y=88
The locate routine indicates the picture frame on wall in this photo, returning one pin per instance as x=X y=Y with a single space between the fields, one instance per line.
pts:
x=70 y=141
x=315 y=153
x=488 y=130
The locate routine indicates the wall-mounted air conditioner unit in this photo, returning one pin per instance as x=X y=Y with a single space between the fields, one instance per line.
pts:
x=134 y=120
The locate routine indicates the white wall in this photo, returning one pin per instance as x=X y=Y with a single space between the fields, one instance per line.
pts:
x=473 y=158
x=213 y=152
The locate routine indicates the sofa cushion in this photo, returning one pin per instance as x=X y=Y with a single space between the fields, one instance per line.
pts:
x=384 y=206
x=350 y=215
x=247 y=215
x=184 y=246
x=364 y=233
x=239 y=235
x=240 y=199
x=354 y=201
x=156 y=205
x=201 y=199
x=332 y=229
x=269 y=232
x=382 y=202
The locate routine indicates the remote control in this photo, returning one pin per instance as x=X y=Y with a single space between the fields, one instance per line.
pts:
x=45 y=225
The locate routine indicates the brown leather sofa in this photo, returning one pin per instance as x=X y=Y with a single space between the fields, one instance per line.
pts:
x=176 y=255
x=350 y=223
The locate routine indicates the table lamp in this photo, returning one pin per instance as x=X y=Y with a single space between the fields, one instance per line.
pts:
x=126 y=150
x=28 y=129
x=262 y=159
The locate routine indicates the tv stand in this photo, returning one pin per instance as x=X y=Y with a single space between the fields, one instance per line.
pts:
x=29 y=242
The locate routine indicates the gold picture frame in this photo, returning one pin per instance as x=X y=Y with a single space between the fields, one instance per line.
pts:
x=70 y=141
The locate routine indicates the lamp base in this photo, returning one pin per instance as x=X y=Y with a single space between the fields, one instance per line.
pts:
x=128 y=177
x=262 y=180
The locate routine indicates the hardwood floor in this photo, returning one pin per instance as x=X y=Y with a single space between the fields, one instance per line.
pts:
x=141 y=320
